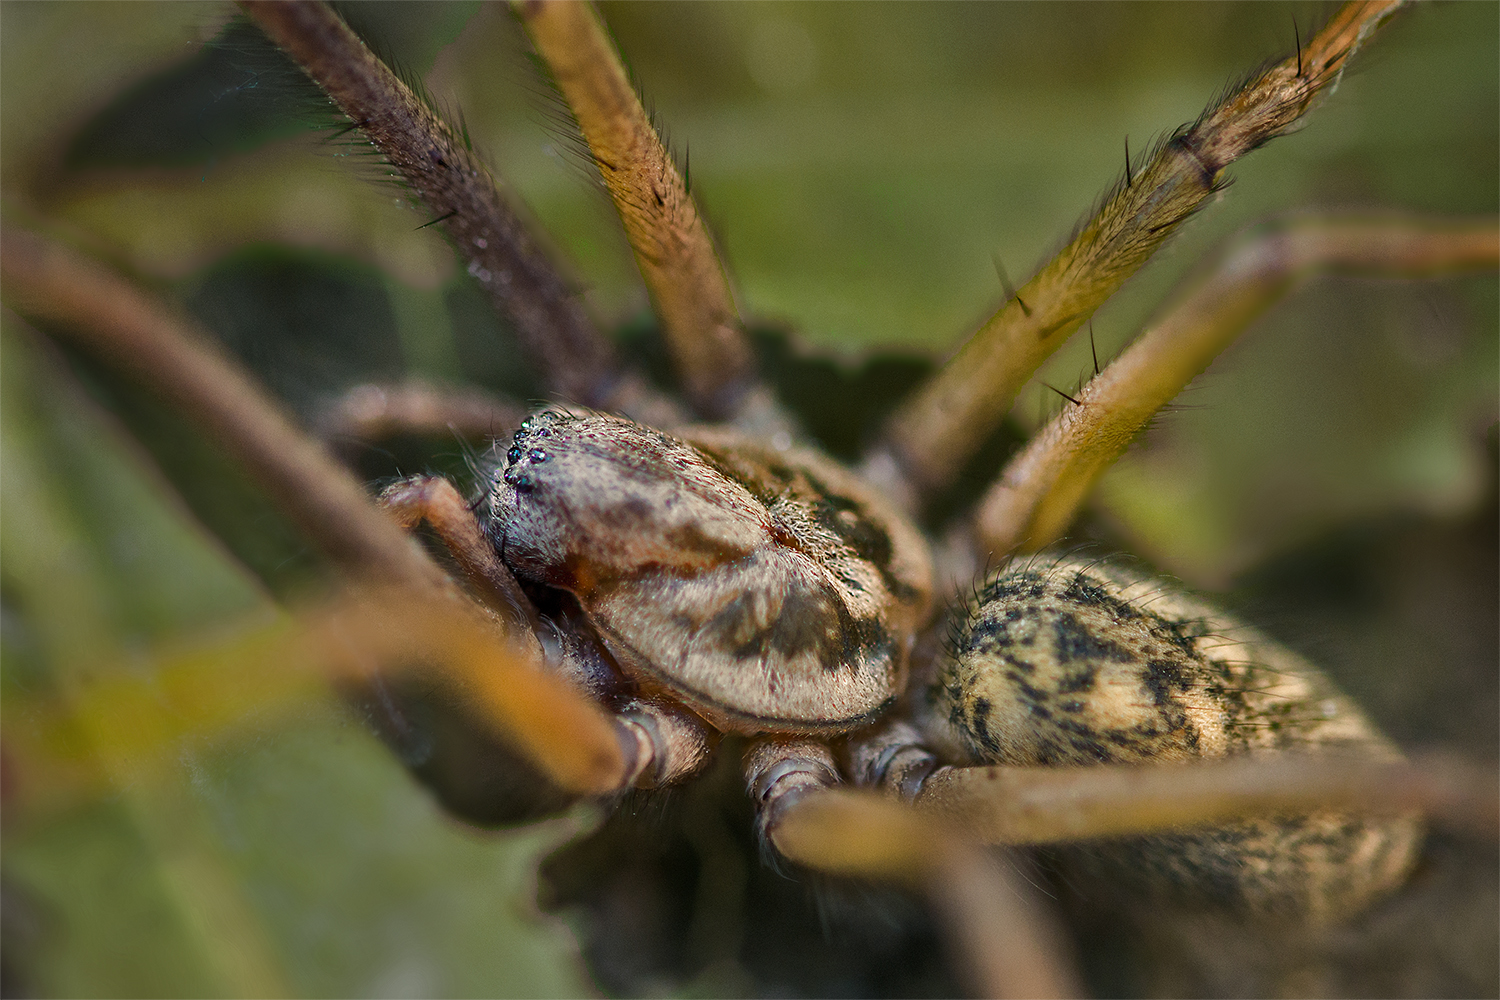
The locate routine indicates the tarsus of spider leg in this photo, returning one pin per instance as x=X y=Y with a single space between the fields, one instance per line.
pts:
x=1005 y=941
x=1040 y=490
x=673 y=247
x=1040 y=805
x=459 y=191
x=934 y=433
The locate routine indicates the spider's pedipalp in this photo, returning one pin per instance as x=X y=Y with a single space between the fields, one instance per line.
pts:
x=935 y=432
x=1040 y=490
x=435 y=501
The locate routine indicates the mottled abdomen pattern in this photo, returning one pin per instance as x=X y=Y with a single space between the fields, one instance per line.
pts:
x=1072 y=661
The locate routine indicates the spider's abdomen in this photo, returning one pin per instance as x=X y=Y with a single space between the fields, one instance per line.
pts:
x=1069 y=661
x=767 y=588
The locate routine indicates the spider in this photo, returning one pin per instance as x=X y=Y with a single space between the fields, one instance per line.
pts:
x=703 y=706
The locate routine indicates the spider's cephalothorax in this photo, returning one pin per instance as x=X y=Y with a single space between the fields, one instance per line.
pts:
x=767 y=588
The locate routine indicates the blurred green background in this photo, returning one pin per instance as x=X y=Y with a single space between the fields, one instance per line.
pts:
x=862 y=165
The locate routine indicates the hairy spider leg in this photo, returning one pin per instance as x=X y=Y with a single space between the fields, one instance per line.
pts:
x=1041 y=488
x=936 y=430
x=437 y=162
x=674 y=249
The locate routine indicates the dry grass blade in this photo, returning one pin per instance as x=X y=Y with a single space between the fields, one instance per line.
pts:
x=1015 y=805
x=1042 y=487
x=462 y=194
x=672 y=245
x=157 y=346
x=938 y=429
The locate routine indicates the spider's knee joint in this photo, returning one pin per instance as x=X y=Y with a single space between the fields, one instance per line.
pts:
x=781 y=772
x=662 y=744
x=892 y=759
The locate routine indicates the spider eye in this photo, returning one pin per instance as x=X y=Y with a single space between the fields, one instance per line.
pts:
x=537 y=455
x=521 y=483
x=514 y=455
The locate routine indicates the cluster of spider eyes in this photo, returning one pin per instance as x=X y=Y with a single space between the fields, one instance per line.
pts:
x=520 y=481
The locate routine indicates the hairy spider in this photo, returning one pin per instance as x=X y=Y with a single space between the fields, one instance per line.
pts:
x=731 y=580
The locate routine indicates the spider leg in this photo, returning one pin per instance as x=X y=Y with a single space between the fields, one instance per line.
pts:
x=435 y=500
x=565 y=732
x=1038 y=805
x=929 y=438
x=859 y=832
x=1004 y=939
x=436 y=161
x=375 y=411
x=673 y=246
x=157 y=346
x=1040 y=490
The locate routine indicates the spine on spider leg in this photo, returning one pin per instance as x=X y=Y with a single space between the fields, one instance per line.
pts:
x=933 y=434
x=462 y=194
